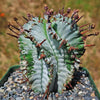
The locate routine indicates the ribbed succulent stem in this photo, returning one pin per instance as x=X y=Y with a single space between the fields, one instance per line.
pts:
x=50 y=49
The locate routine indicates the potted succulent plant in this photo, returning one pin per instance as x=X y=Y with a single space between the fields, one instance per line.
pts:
x=50 y=51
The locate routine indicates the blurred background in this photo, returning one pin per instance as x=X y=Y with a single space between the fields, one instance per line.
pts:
x=9 y=53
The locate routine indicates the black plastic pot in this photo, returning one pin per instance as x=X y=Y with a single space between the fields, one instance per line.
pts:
x=13 y=68
x=5 y=77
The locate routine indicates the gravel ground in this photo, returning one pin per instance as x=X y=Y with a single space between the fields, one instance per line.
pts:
x=14 y=89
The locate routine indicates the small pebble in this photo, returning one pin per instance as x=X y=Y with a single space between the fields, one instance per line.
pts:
x=18 y=98
x=31 y=97
x=24 y=87
x=8 y=89
x=1 y=90
x=56 y=95
x=93 y=99
x=93 y=94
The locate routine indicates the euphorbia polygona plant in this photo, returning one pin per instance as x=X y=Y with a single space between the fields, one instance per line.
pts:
x=50 y=48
